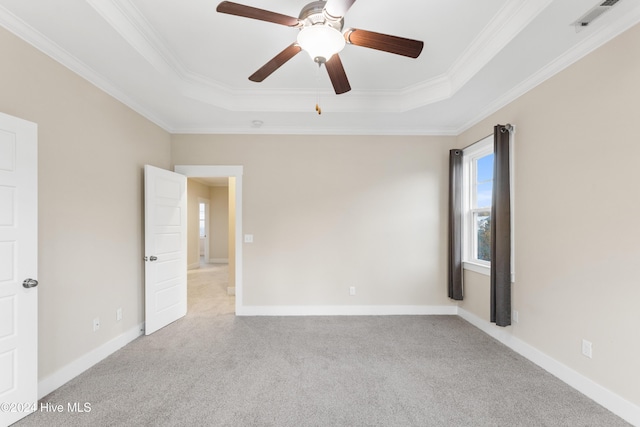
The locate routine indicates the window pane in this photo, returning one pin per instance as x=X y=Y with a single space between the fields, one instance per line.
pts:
x=202 y=209
x=483 y=235
x=485 y=168
x=478 y=181
x=483 y=195
x=484 y=181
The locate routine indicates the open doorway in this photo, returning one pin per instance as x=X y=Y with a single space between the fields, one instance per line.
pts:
x=215 y=184
x=209 y=290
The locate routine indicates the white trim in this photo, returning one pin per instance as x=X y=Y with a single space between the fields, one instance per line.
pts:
x=505 y=26
x=124 y=17
x=611 y=401
x=346 y=310
x=222 y=171
x=193 y=266
x=599 y=394
x=479 y=149
x=36 y=39
x=218 y=261
x=478 y=268
x=86 y=361
x=512 y=198
x=295 y=130
x=606 y=32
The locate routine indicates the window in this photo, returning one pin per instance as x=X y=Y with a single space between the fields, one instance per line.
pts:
x=202 y=219
x=478 y=184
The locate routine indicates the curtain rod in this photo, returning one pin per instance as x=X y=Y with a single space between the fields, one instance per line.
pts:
x=473 y=143
x=508 y=127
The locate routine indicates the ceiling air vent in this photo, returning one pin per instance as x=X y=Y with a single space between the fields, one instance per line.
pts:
x=594 y=13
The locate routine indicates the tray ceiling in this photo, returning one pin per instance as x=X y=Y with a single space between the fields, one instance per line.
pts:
x=185 y=66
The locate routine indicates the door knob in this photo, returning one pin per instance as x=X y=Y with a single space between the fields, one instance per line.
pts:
x=153 y=258
x=30 y=283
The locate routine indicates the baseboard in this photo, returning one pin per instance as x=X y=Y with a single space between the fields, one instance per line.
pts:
x=608 y=399
x=611 y=401
x=218 y=261
x=193 y=266
x=345 y=310
x=78 y=366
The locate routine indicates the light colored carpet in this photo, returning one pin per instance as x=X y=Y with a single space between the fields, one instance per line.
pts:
x=213 y=369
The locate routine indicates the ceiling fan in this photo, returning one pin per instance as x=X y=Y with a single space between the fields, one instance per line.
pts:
x=321 y=35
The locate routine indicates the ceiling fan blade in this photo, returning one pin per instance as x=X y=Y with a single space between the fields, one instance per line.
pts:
x=267 y=69
x=337 y=75
x=237 y=9
x=384 y=42
x=338 y=8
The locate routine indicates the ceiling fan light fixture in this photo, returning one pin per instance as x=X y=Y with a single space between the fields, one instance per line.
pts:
x=321 y=42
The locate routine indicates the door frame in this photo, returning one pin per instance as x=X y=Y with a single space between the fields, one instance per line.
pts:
x=224 y=171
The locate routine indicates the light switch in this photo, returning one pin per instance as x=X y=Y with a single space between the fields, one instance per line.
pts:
x=248 y=238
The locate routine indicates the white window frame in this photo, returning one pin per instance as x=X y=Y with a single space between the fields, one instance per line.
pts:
x=470 y=155
x=202 y=218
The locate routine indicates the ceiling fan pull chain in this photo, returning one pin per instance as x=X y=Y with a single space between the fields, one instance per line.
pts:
x=318 y=109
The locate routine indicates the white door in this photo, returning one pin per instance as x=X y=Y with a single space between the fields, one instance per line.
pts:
x=18 y=264
x=165 y=247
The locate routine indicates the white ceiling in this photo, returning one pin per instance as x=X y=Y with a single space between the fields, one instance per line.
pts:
x=185 y=66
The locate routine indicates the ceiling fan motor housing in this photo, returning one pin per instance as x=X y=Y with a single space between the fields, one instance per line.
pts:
x=314 y=14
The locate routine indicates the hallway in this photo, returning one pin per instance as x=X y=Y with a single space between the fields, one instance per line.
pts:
x=207 y=291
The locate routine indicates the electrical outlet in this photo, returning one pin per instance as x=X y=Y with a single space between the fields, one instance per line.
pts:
x=248 y=238
x=352 y=290
x=515 y=316
x=96 y=324
x=119 y=314
x=587 y=349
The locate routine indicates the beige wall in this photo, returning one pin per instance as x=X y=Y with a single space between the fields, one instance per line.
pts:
x=576 y=215
x=219 y=221
x=330 y=212
x=91 y=155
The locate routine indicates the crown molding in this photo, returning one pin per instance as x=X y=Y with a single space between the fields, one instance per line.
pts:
x=142 y=35
x=33 y=37
x=504 y=27
x=603 y=31
x=282 y=130
x=127 y=20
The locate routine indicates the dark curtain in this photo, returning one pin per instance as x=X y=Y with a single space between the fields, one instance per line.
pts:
x=501 y=229
x=455 y=224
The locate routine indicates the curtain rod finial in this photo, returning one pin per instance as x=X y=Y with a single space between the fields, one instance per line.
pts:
x=507 y=127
